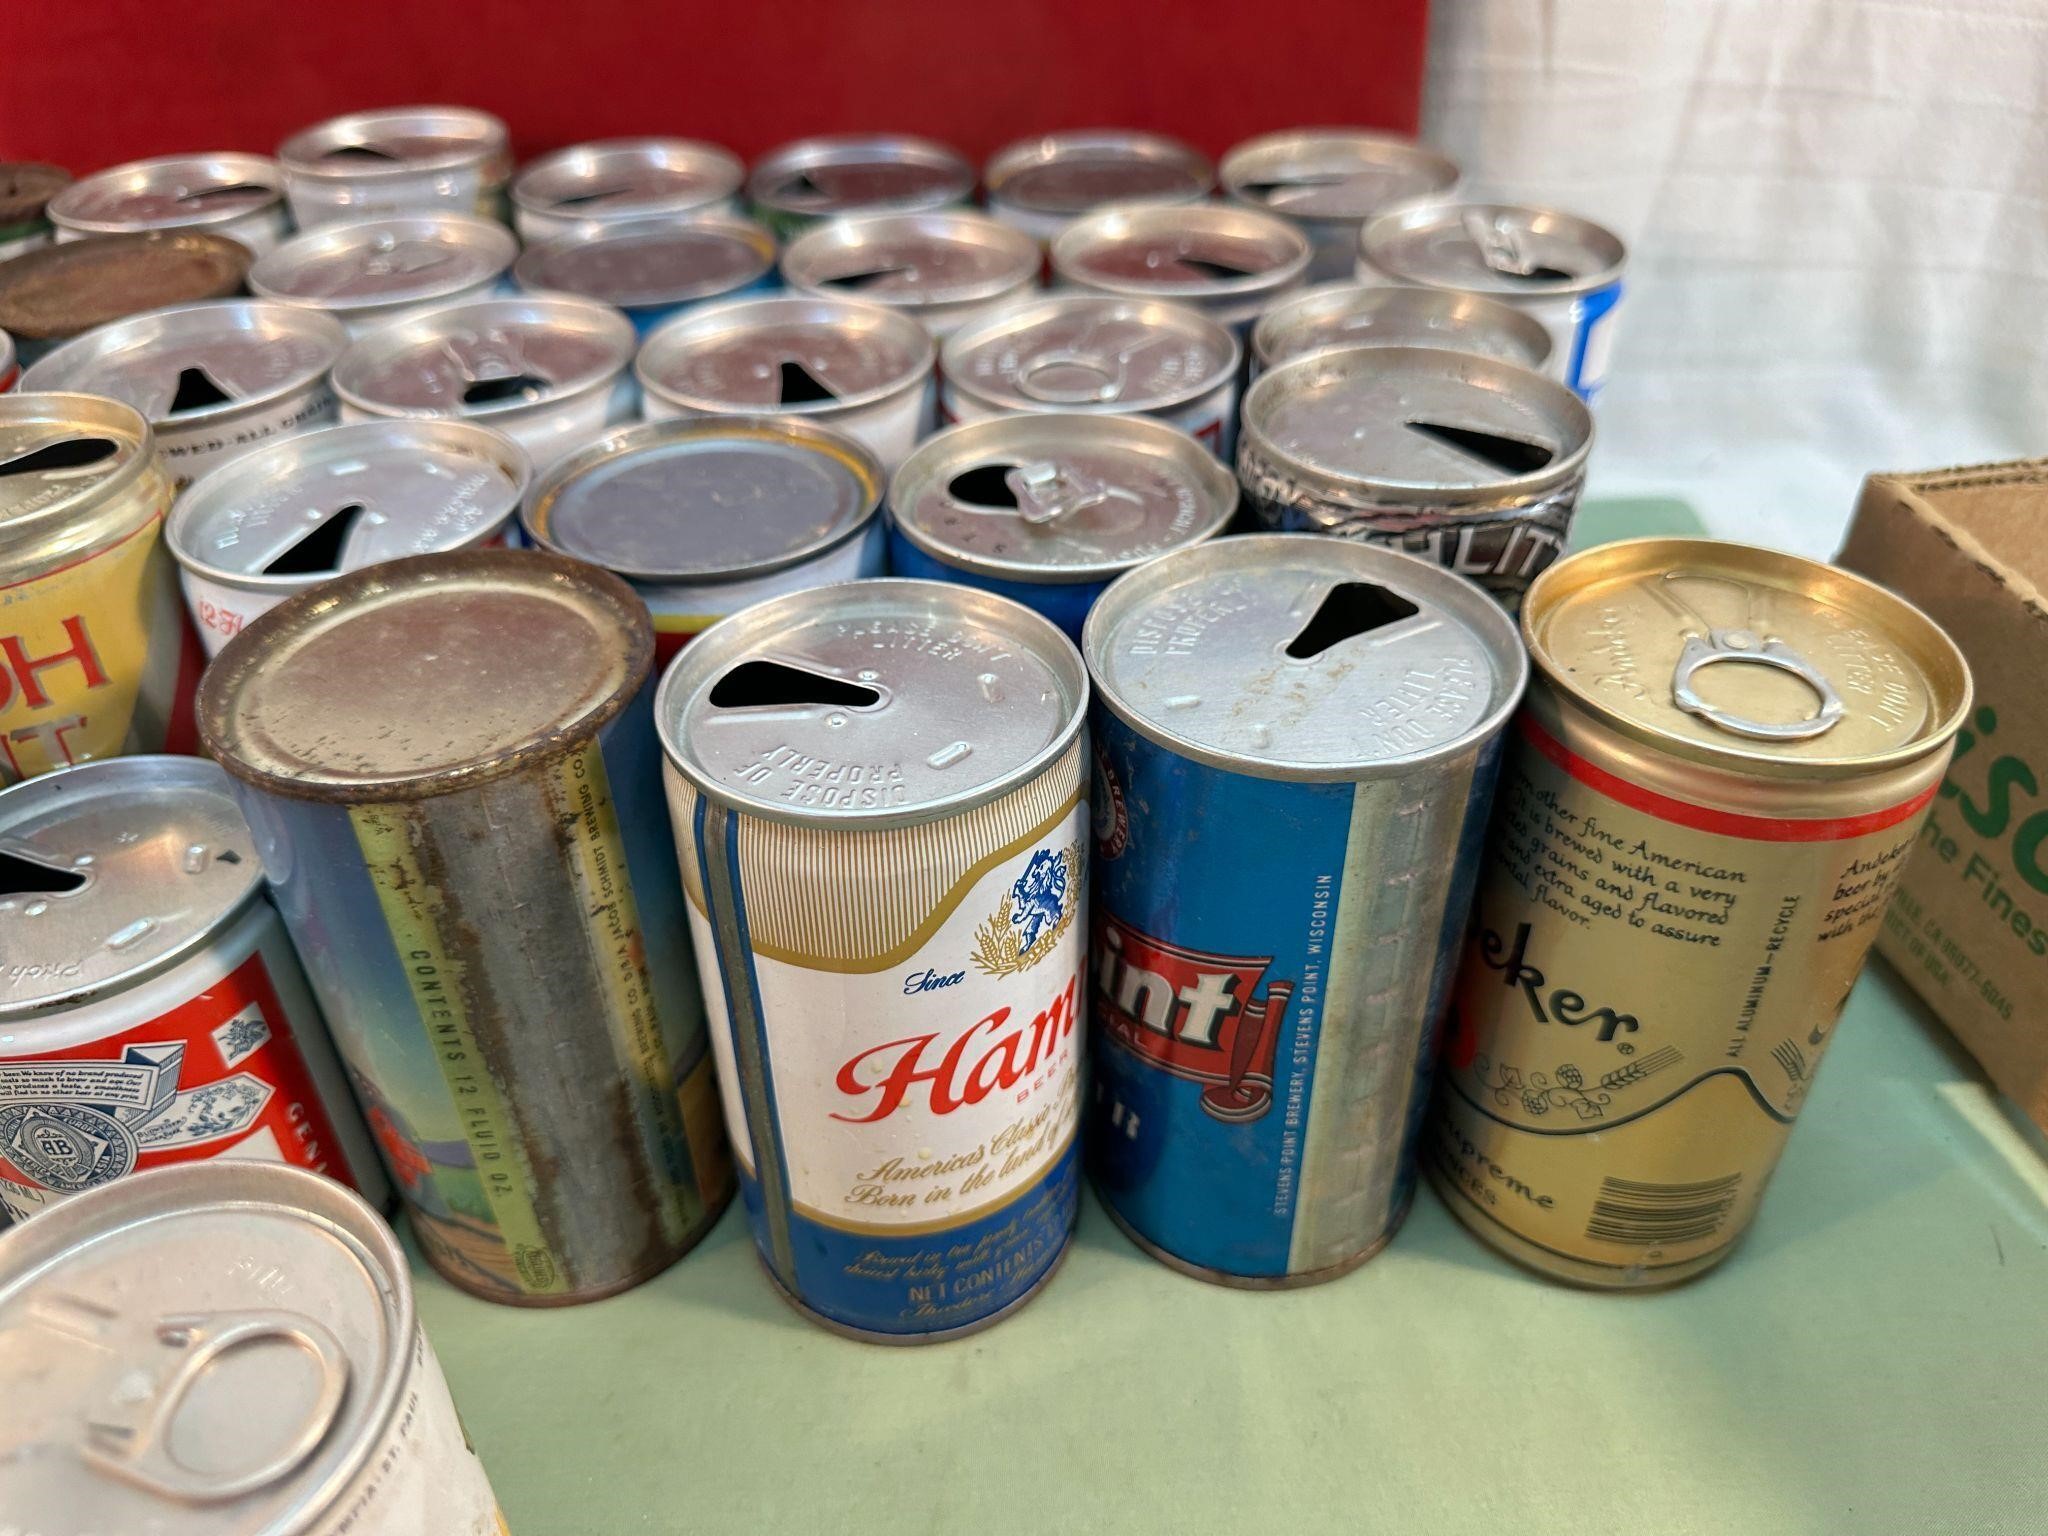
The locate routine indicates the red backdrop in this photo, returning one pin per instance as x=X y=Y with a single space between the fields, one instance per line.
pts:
x=85 y=83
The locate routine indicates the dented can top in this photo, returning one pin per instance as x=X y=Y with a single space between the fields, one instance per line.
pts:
x=367 y=265
x=67 y=466
x=1337 y=174
x=791 y=354
x=1499 y=248
x=396 y=141
x=859 y=173
x=1081 y=352
x=171 y=192
x=1750 y=660
x=1336 y=315
x=913 y=261
x=1076 y=170
x=217 y=1347
x=1295 y=656
x=625 y=179
x=870 y=704
x=62 y=290
x=649 y=263
x=1211 y=254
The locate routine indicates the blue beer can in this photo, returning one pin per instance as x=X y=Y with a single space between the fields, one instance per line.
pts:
x=1295 y=742
x=653 y=268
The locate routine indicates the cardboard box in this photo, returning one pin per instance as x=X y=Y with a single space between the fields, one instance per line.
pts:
x=1968 y=929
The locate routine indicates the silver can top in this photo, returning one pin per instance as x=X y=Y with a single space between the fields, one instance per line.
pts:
x=626 y=179
x=199 y=362
x=650 y=263
x=1502 y=248
x=298 y=510
x=859 y=173
x=1342 y=174
x=1057 y=497
x=788 y=356
x=395 y=141
x=1079 y=169
x=705 y=498
x=1080 y=352
x=65 y=459
x=937 y=697
x=1366 y=315
x=385 y=262
x=912 y=260
x=1205 y=253
x=216 y=1348
x=1296 y=656
x=172 y=192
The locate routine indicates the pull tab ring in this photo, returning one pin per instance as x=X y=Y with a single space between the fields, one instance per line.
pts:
x=1728 y=645
x=1047 y=492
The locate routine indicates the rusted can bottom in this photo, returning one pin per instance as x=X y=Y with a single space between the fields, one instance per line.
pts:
x=1292 y=1282
x=868 y=1336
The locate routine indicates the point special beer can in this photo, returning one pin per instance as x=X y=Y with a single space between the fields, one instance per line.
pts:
x=1329 y=181
x=368 y=272
x=1042 y=184
x=799 y=184
x=877 y=792
x=653 y=269
x=623 y=179
x=227 y=1349
x=237 y=195
x=1295 y=742
x=450 y=767
x=396 y=160
x=1719 y=773
x=944 y=269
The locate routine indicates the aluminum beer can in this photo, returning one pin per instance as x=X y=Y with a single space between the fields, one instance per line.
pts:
x=1564 y=270
x=1049 y=509
x=470 y=856
x=151 y=1009
x=945 y=269
x=623 y=179
x=1080 y=352
x=547 y=370
x=292 y=514
x=795 y=186
x=228 y=1349
x=237 y=195
x=1228 y=262
x=26 y=188
x=1331 y=316
x=95 y=655
x=10 y=370
x=653 y=269
x=215 y=380
x=1329 y=181
x=396 y=160
x=1042 y=184
x=1295 y=741
x=1469 y=461
x=862 y=369
x=61 y=291
x=1722 y=767
x=877 y=792
x=369 y=272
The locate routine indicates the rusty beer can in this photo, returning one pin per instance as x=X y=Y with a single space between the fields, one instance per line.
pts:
x=797 y=185
x=1332 y=316
x=26 y=188
x=1329 y=181
x=367 y=272
x=653 y=269
x=1719 y=773
x=1227 y=261
x=396 y=160
x=623 y=179
x=237 y=195
x=450 y=768
x=945 y=269
x=62 y=291
x=1040 y=185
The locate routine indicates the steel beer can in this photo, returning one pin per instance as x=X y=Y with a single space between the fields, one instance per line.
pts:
x=26 y=188
x=450 y=767
x=368 y=272
x=653 y=269
x=228 y=1349
x=396 y=160
x=797 y=185
x=623 y=179
x=1042 y=184
x=1721 y=769
x=61 y=291
x=876 y=790
x=1332 y=316
x=1229 y=262
x=945 y=269
x=237 y=195
x=1329 y=181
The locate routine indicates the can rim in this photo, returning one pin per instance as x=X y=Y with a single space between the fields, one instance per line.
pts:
x=1312 y=302
x=1107 y=223
x=668 y=337
x=1232 y=171
x=1141 y=144
x=230 y=259
x=528 y=269
x=957 y=377
x=942 y=223
x=303 y=153
x=763 y=182
x=523 y=197
x=1412 y=211
x=91 y=413
x=497 y=244
x=257 y=170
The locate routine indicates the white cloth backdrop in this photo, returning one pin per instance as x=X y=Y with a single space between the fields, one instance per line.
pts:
x=1838 y=215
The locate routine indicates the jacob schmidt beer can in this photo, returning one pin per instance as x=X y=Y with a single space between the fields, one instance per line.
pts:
x=1041 y=185
x=876 y=788
x=1709 y=795
x=450 y=767
x=799 y=184
x=623 y=179
x=1295 y=743
x=227 y=1349
x=240 y=196
x=370 y=271
x=1329 y=181
x=396 y=160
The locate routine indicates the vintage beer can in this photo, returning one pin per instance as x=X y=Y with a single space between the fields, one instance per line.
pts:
x=1469 y=461
x=95 y=656
x=1049 y=509
x=61 y=291
x=860 y=368
x=449 y=764
x=26 y=188
x=290 y=515
x=877 y=792
x=653 y=269
x=623 y=179
x=795 y=186
x=1564 y=270
x=1329 y=181
x=1042 y=184
x=1081 y=352
x=1721 y=769
x=547 y=370
x=945 y=269
x=396 y=160
x=10 y=370
x=1335 y=315
x=368 y=272
x=1226 y=261
x=214 y=379
x=151 y=1009
x=227 y=1349
x=1295 y=741
x=237 y=195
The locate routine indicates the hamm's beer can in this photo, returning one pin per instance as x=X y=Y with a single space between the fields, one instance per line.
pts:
x=396 y=160
x=471 y=859
x=1229 y=262
x=1332 y=316
x=1041 y=185
x=653 y=269
x=1329 y=181
x=237 y=195
x=1295 y=744
x=227 y=1349
x=876 y=789
x=945 y=269
x=1719 y=773
x=623 y=179
x=800 y=184
x=371 y=271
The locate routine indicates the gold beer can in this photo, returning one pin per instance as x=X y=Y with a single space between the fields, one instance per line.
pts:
x=1721 y=765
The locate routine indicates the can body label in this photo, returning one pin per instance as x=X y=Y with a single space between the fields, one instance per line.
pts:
x=682 y=611
x=189 y=451
x=1581 y=330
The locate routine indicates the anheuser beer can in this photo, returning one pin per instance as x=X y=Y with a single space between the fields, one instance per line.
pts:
x=1330 y=181
x=623 y=179
x=802 y=183
x=1042 y=184
x=472 y=860
x=368 y=272
x=237 y=195
x=1720 y=770
x=1295 y=741
x=396 y=160
x=228 y=1349
x=151 y=1009
x=877 y=792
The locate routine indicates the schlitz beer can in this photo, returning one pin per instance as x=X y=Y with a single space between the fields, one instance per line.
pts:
x=1329 y=181
x=1717 y=777
x=396 y=160
x=1332 y=316
x=237 y=195
x=1469 y=461
x=471 y=858
x=1324 y=720
x=623 y=179
x=653 y=269
x=368 y=272
x=151 y=1009
x=61 y=291
x=799 y=184
x=877 y=792
x=227 y=1349
x=1227 y=261
x=1042 y=184
x=944 y=269
x=26 y=188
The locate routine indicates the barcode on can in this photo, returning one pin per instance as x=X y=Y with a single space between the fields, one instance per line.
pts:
x=1650 y=1215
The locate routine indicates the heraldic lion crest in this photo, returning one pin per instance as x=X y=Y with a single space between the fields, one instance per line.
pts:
x=1037 y=909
